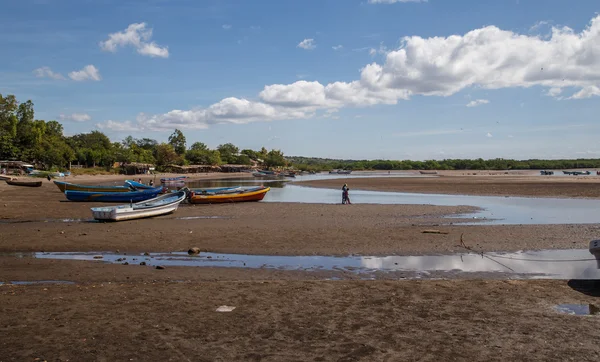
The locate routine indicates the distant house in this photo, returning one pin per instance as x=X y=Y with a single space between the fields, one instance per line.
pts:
x=192 y=169
x=16 y=167
x=135 y=168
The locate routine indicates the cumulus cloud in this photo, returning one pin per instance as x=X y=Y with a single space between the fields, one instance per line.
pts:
x=76 y=117
x=488 y=58
x=586 y=92
x=307 y=44
x=395 y=1
x=477 y=102
x=138 y=36
x=89 y=72
x=46 y=72
x=337 y=47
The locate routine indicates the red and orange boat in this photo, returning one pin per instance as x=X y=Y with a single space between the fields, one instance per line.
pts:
x=254 y=194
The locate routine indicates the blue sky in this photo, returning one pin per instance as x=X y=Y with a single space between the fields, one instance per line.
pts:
x=324 y=78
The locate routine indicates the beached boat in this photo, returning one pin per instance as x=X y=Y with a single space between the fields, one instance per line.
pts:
x=244 y=195
x=161 y=205
x=24 y=183
x=428 y=172
x=259 y=174
x=103 y=196
x=178 y=178
x=546 y=173
x=64 y=186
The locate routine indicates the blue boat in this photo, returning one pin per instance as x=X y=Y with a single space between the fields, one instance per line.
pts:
x=178 y=178
x=136 y=185
x=130 y=196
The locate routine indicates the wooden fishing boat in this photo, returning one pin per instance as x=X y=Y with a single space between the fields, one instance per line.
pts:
x=161 y=205
x=259 y=174
x=64 y=186
x=24 y=183
x=254 y=194
x=103 y=196
x=428 y=172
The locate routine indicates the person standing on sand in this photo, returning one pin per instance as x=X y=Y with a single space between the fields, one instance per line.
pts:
x=347 y=196
x=344 y=193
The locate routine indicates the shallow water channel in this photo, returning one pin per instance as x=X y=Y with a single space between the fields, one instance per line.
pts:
x=546 y=264
x=494 y=210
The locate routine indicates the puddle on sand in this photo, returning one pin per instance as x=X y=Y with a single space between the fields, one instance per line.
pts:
x=546 y=264
x=36 y=282
x=48 y=220
x=578 y=309
x=202 y=217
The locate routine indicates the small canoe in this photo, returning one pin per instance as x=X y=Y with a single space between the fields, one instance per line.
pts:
x=259 y=174
x=161 y=205
x=24 y=183
x=254 y=194
x=103 y=196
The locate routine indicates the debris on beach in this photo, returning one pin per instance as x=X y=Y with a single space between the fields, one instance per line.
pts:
x=435 y=232
x=194 y=250
x=160 y=267
x=225 y=308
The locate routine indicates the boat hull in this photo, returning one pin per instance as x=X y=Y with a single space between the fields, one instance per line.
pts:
x=243 y=196
x=131 y=196
x=67 y=186
x=24 y=183
x=141 y=210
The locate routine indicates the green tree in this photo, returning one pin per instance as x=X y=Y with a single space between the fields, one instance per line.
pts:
x=198 y=146
x=228 y=152
x=166 y=155
x=275 y=159
x=177 y=140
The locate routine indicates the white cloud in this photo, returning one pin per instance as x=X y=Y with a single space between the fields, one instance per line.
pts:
x=337 y=47
x=395 y=1
x=372 y=52
x=76 y=117
x=46 y=72
x=477 y=102
x=307 y=44
x=586 y=92
x=488 y=58
x=89 y=72
x=138 y=36
x=226 y=26
x=554 y=92
x=228 y=110
x=489 y=135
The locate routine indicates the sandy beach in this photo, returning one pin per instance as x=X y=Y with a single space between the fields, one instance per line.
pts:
x=134 y=312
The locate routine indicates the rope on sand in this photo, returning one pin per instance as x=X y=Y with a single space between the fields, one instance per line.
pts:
x=465 y=246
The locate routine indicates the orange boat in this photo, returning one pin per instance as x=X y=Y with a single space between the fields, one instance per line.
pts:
x=255 y=194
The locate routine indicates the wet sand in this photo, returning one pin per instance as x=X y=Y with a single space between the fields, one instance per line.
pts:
x=133 y=312
x=499 y=185
x=296 y=321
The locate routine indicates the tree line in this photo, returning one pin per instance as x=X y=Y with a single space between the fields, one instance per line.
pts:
x=22 y=137
x=320 y=164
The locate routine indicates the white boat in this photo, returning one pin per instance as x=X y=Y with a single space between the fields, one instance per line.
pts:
x=161 y=205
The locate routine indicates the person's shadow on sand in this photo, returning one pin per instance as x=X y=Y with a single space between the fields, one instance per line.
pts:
x=590 y=287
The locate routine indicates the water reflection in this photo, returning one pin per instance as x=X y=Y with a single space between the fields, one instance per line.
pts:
x=494 y=210
x=552 y=264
